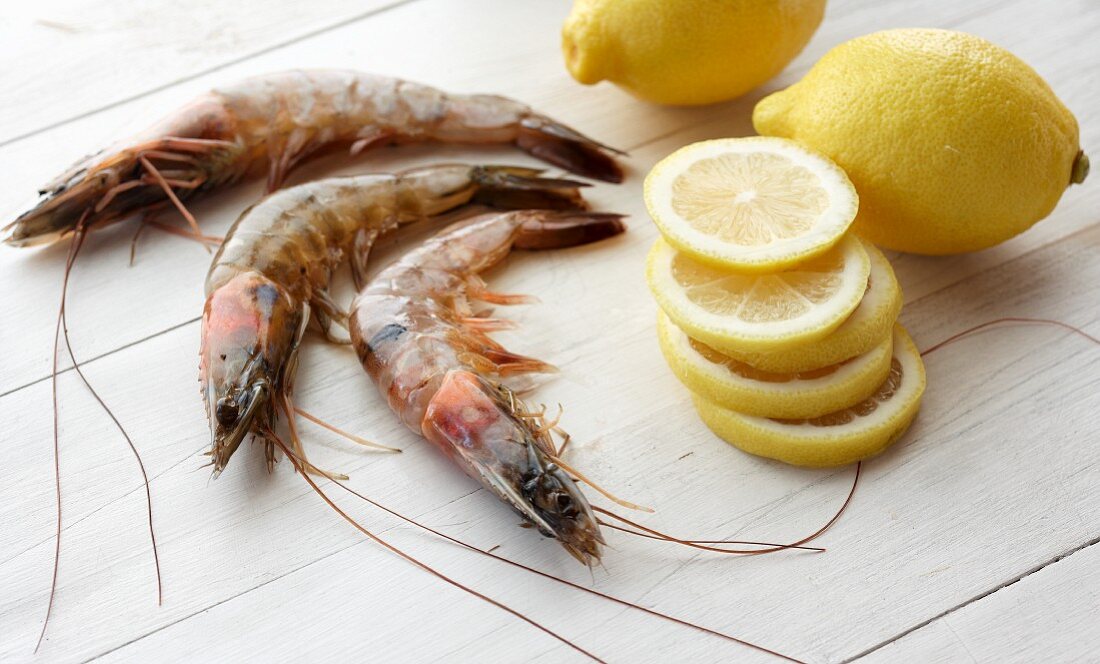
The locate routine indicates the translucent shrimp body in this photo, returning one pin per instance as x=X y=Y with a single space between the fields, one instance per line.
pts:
x=273 y=123
x=271 y=275
x=414 y=334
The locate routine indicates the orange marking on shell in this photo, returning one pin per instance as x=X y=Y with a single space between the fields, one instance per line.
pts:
x=461 y=411
x=232 y=313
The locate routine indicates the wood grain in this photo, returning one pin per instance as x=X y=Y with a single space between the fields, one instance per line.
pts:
x=996 y=480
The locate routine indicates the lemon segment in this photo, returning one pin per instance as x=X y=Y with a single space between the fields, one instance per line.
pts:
x=732 y=384
x=750 y=204
x=763 y=312
x=838 y=438
x=869 y=324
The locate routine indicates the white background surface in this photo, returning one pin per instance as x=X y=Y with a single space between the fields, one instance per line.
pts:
x=972 y=539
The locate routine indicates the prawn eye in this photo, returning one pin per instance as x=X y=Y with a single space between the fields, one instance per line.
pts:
x=566 y=507
x=226 y=411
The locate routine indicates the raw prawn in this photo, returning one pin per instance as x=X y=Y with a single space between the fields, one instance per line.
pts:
x=274 y=123
x=414 y=334
x=271 y=275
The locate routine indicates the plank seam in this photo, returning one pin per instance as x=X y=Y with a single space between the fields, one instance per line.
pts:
x=68 y=526
x=104 y=354
x=359 y=542
x=972 y=600
x=203 y=72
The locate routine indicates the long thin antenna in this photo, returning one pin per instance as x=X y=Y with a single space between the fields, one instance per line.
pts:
x=1009 y=319
x=422 y=565
x=571 y=584
x=56 y=437
x=62 y=331
x=660 y=538
x=756 y=552
x=129 y=442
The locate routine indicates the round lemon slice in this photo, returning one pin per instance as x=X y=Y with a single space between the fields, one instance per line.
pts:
x=728 y=383
x=868 y=325
x=838 y=438
x=759 y=312
x=752 y=204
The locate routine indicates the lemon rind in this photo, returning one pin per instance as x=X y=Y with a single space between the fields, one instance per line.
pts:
x=805 y=444
x=848 y=385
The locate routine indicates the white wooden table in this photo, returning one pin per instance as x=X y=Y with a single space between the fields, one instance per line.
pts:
x=974 y=538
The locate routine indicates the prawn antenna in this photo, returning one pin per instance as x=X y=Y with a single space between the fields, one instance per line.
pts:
x=62 y=331
x=613 y=526
x=546 y=575
x=703 y=544
x=358 y=440
x=1009 y=319
x=125 y=435
x=302 y=469
x=603 y=492
x=296 y=442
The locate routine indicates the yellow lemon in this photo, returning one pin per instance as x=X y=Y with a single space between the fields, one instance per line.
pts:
x=838 y=438
x=750 y=204
x=953 y=143
x=686 y=51
x=726 y=382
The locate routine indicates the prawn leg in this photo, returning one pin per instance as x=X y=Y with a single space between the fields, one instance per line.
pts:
x=327 y=312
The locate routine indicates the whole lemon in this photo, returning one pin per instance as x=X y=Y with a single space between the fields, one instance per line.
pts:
x=686 y=51
x=953 y=143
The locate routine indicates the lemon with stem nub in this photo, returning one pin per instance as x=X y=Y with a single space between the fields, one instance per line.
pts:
x=842 y=437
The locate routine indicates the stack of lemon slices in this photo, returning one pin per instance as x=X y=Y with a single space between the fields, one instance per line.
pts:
x=781 y=323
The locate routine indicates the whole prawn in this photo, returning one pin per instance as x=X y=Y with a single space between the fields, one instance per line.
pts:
x=274 y=123
x=441 y=374
x=271 y=276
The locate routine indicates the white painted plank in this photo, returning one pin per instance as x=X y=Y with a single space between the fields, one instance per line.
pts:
x=1048 y=616
x=522 y=61
x=996 y=457
x=116 y=50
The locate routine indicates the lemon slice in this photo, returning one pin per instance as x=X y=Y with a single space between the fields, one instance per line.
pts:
x=751 y=204
x=759 y=312
x=838 y=438
x=731 y=384
x=868 y=325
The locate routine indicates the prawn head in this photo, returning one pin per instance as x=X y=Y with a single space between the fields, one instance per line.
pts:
x=163 y=167
x=249 y=327
x=482 y=426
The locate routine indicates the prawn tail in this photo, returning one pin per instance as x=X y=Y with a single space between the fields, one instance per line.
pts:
x=562 y=146
x=518 y=188
x=560 y=229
